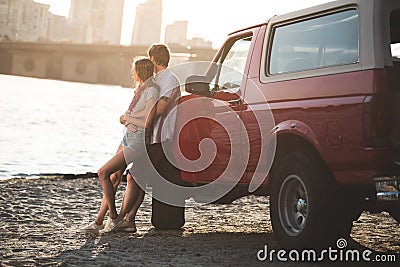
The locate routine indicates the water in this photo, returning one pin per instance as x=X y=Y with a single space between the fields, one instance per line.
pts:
x=58 y=127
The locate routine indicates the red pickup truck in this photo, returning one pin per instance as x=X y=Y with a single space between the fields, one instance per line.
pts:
x=304 y=108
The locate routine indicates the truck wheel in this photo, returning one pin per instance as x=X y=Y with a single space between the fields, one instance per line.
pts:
x=303 y=208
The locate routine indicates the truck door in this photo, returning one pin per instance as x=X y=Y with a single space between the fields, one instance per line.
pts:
x=223 y=128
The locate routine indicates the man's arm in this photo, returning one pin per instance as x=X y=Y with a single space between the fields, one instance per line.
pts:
x=162 y=105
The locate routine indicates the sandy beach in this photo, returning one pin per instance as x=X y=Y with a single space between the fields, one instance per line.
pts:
x=39 y=219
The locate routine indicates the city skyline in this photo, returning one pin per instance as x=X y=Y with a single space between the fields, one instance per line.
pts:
x=209 y=19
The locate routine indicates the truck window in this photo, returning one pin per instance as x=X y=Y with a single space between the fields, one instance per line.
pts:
x=232 y=63
x=320 y=42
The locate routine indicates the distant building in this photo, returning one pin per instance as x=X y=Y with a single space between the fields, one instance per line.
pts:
x=95 y=21
x=24 y=20
x=148 y=19
x=175 y=33
x=4 y=19
x=57 y=28
x=107 y=21
x=199 y=42
x=80 y=11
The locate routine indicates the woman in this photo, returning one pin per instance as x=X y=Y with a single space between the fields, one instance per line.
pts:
x=138 y=117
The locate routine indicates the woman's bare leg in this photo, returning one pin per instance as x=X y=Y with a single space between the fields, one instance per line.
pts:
x=133 y=198
x=139 y=200
x=116 y=180
x=118 y=162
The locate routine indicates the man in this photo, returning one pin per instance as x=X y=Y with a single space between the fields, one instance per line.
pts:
x=164 y=216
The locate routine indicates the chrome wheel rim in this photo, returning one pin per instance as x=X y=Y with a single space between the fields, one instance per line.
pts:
x=293 y=205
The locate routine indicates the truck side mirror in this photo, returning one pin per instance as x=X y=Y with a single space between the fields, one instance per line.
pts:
x=198 y=85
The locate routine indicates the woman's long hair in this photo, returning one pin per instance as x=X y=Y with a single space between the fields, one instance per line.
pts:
x=144 y=69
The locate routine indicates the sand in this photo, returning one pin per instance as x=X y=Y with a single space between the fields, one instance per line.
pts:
x=39 y=219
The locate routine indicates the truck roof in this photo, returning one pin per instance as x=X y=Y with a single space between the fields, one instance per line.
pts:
x=306 y=11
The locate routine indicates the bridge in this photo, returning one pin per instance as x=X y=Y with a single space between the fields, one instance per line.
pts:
x=88 y=63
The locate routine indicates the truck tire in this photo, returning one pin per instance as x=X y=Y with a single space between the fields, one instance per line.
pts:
x=304 y=212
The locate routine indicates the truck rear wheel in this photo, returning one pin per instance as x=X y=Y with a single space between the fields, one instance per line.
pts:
x=304 y=212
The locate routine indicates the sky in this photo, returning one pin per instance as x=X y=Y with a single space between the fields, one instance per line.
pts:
x=212 y=20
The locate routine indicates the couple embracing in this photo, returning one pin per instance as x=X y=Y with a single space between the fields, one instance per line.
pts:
x=152 y=110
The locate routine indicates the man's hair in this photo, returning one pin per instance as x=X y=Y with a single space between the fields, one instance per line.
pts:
x=161 y=54
x=144 y=68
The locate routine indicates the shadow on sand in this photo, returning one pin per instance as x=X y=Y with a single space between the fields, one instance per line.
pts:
x=179 y=248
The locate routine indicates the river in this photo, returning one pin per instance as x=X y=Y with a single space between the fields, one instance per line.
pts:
x=50 y=127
